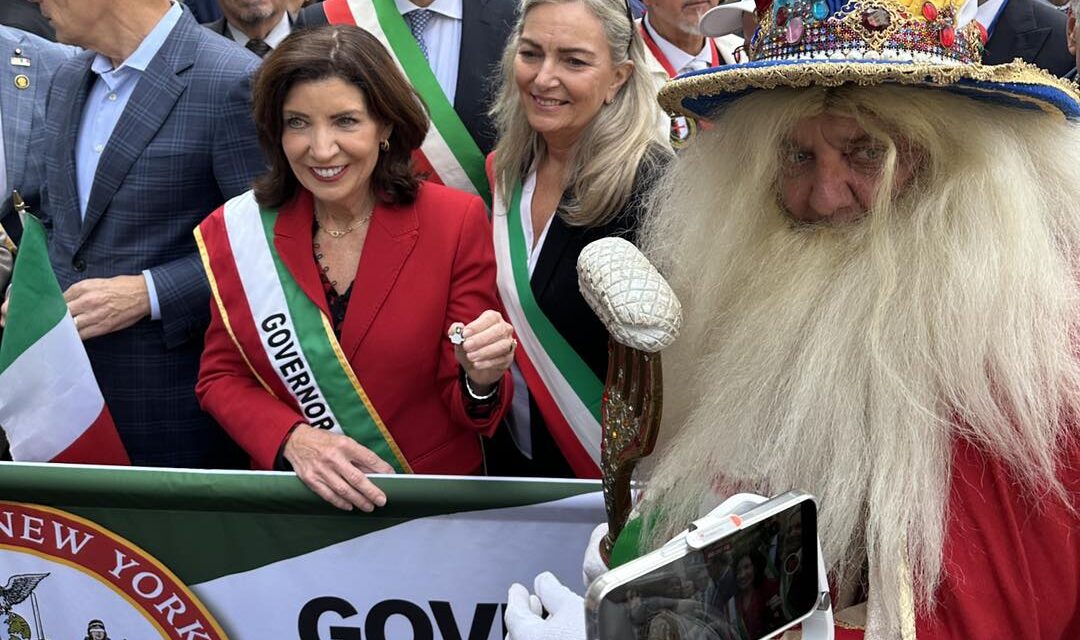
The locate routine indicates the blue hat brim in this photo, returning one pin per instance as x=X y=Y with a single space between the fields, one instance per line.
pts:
x=703 y=94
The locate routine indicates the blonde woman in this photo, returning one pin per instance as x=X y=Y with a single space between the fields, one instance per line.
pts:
x=577 y=148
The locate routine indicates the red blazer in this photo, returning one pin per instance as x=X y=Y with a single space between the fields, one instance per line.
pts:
x=423 y=267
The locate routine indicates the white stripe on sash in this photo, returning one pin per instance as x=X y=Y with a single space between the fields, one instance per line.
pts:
x=265 y=295
x=433 y=147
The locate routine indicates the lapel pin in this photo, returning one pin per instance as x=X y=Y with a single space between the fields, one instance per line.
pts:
x=18 y=60
x=22 y=81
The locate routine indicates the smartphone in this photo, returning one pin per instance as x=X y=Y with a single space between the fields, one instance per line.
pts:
x=746 y=576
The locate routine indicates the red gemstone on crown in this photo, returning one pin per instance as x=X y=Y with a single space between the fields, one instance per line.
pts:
x=781 y=16
x=948 y=37
x=929 y=11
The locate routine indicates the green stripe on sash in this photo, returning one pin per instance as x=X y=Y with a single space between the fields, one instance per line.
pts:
x=316 y=338
x=586 y=385
x=422 y=78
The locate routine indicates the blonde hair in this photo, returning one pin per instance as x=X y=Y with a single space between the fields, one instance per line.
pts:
x=847 y=360
x=606 y=157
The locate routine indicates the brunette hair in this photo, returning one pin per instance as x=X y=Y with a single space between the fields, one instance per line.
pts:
x=355 y=56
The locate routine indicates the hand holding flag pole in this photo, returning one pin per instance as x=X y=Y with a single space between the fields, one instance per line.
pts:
x=643 y=316
x=50 y=404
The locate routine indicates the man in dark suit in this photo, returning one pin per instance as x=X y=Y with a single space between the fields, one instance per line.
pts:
x=23 y=15
x=466 y=68
x=259 y=25
x=147 y=131
x=1031 y=30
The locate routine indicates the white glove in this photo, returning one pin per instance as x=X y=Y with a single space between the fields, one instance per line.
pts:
x=593 y=566
x=566 y=611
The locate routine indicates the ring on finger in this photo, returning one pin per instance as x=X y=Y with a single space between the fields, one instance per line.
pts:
x=513 y=345
x=75 y=321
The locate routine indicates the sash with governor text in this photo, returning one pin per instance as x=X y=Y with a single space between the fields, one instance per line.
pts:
x=285 y=338
x=255 y=555
x=565 y=389
x=448 y=154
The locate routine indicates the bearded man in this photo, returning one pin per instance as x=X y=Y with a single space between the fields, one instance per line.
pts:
x=879 y=286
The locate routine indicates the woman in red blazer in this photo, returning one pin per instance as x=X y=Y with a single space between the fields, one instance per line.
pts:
x=353 y=329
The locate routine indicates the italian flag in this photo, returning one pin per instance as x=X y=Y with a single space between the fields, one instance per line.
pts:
x=50 y=405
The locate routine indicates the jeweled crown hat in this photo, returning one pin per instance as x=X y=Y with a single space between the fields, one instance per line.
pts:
x=927 y=43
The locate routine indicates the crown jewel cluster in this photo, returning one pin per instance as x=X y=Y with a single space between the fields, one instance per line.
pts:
x=900 y=30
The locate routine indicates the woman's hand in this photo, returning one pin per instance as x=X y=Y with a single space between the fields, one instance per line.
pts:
x=487 y=351
x=333 y=466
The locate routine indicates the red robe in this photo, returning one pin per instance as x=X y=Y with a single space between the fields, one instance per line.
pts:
x=1011 y=563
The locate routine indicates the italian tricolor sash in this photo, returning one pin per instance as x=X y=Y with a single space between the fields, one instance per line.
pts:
x=566 y=390
x=448 y=152
x=284 y=337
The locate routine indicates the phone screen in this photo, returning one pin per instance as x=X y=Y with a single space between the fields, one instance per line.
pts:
x=745 y=586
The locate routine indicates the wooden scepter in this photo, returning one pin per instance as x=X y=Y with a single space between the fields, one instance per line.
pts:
x=643 y=317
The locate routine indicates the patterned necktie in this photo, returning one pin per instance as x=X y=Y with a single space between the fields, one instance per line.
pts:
x=418 y=20
x=258 y=47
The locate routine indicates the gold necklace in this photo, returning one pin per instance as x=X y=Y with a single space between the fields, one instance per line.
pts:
x=341 y=233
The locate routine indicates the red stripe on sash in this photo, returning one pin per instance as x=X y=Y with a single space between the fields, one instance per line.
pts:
x=564 y=436
x=337 y=12
x=662 y=59
x=227 y=281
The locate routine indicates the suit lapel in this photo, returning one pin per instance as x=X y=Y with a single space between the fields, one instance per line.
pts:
x=219 y=27
x=1016 y=35
x=157 y=91
x=473 y=22
x=391 y=237
x=64 y=192
x=292 y=239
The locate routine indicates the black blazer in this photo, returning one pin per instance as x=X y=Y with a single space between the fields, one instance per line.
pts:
x=485 y=28
x=1033 y=31
x=220 y=27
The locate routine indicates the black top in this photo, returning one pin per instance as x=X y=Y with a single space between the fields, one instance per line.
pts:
x=554 y=284
x=1033 y=31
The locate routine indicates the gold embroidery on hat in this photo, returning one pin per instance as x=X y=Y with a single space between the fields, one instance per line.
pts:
x=834 y=74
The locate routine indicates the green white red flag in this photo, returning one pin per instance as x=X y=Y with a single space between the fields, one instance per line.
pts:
x=50 y=404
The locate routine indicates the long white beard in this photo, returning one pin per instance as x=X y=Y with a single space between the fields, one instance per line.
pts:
x=844 y=360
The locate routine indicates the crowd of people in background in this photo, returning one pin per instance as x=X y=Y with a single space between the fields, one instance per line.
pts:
x=341 y=237
x=138 y=124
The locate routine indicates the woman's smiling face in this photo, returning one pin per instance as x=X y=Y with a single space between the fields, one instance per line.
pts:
x=564 y=71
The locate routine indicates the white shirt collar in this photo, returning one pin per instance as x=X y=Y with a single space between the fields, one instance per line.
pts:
x=679 y=59
x=988 y=12
x=449 y=8
x=277 y=34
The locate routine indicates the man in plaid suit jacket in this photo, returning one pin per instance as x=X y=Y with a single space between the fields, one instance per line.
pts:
x=121 y=233
x=27 y=65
